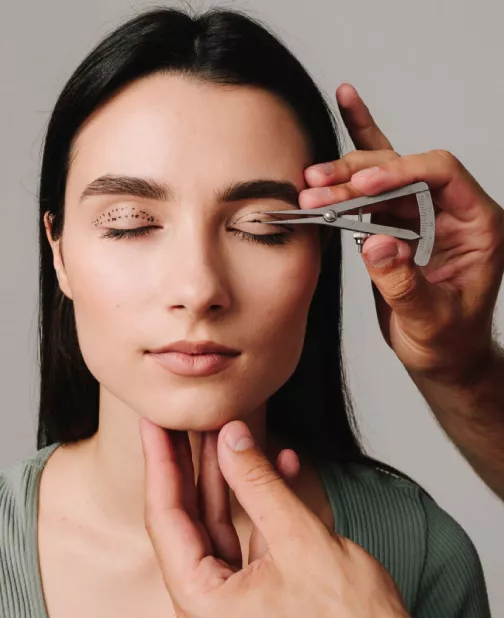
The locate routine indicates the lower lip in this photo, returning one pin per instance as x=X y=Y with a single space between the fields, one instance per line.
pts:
x=193 y=365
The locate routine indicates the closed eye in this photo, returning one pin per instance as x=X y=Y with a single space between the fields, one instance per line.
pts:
x=280 y=238
x=263 y=239
x=131 y=233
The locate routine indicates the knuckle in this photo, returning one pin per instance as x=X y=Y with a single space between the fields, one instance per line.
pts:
x=391 y=155
x=357 y=160
x=449 y=159
x=151 y=526
x=351 y=162
x=148 y=527
x=403 y=289
x=500 y=236
x=491 y=234
x=309 y=530
x=338 y=192
x=346 y=546
x=149 y=520
x=352 y=156
x=496 y=222
x=260 y=474
x=438 y=327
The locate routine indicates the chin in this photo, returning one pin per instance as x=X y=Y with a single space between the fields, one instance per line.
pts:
x=199 y=405
x=190 y=422
x=200 y=415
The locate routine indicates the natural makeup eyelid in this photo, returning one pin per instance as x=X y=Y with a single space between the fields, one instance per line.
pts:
x=118 y=213
x=273 y=222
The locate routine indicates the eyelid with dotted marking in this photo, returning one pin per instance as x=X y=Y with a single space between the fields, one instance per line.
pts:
x=274 y=222
x=114 y=214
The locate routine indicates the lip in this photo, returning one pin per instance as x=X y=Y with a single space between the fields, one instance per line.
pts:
x=194 y=358
x=196 y=347
x=195 y=365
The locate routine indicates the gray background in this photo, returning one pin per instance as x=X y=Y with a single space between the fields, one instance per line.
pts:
x=431 y=73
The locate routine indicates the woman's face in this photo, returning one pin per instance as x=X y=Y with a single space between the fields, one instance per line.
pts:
x=205 y=270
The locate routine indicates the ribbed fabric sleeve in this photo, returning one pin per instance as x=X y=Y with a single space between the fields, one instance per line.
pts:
x=21 y=593
x=452 y=570
x=429 y=555
x=431 y=558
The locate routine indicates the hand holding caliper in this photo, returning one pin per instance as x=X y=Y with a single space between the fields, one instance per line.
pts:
x=331 y=215
x=438 y=318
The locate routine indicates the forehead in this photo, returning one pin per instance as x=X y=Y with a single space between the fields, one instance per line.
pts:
x=168 y=126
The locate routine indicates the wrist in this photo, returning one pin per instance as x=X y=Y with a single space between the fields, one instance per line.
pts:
x=466 y=375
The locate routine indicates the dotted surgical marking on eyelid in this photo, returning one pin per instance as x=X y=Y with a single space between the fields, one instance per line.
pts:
x=114 y=217
x=273 y=222
x=248 y=214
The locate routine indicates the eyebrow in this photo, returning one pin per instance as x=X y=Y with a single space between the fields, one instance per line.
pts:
x=282 y=190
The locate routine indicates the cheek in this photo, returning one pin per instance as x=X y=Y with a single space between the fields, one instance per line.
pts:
x=279 y=296
x=106 y=293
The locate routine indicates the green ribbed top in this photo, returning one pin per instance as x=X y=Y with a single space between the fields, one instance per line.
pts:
x=429 y=555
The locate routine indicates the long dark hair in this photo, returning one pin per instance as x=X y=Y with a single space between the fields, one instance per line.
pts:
x=312 y=411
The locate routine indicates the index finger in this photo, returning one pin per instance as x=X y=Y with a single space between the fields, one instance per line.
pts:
x=365 y=133
x=180 y=544
x=457 y=191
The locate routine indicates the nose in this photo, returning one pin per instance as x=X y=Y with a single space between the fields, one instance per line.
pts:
x=199 y=282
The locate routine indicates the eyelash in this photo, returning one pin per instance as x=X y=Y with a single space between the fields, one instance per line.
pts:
x=263 y=239
x=117 y=234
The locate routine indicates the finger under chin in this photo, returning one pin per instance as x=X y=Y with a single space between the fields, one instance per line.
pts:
x=182 y=448
x=177 y=542
x=164 y=478
x=214 y=504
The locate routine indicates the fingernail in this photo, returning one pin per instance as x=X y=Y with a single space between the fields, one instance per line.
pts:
x=367 y=173
x=238 y=438
x=324 y=168
x=381 y=254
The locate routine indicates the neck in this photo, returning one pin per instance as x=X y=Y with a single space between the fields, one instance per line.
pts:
x=111 y=464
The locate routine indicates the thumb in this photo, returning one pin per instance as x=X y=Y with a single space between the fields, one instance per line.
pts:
x=287 y=465
x=400 y=282
x=271 y=505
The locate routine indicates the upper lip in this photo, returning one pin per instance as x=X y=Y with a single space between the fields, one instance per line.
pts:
x=195 y=347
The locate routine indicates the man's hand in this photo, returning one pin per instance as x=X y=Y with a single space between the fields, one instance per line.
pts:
x=301 y=568
x=437 y=319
